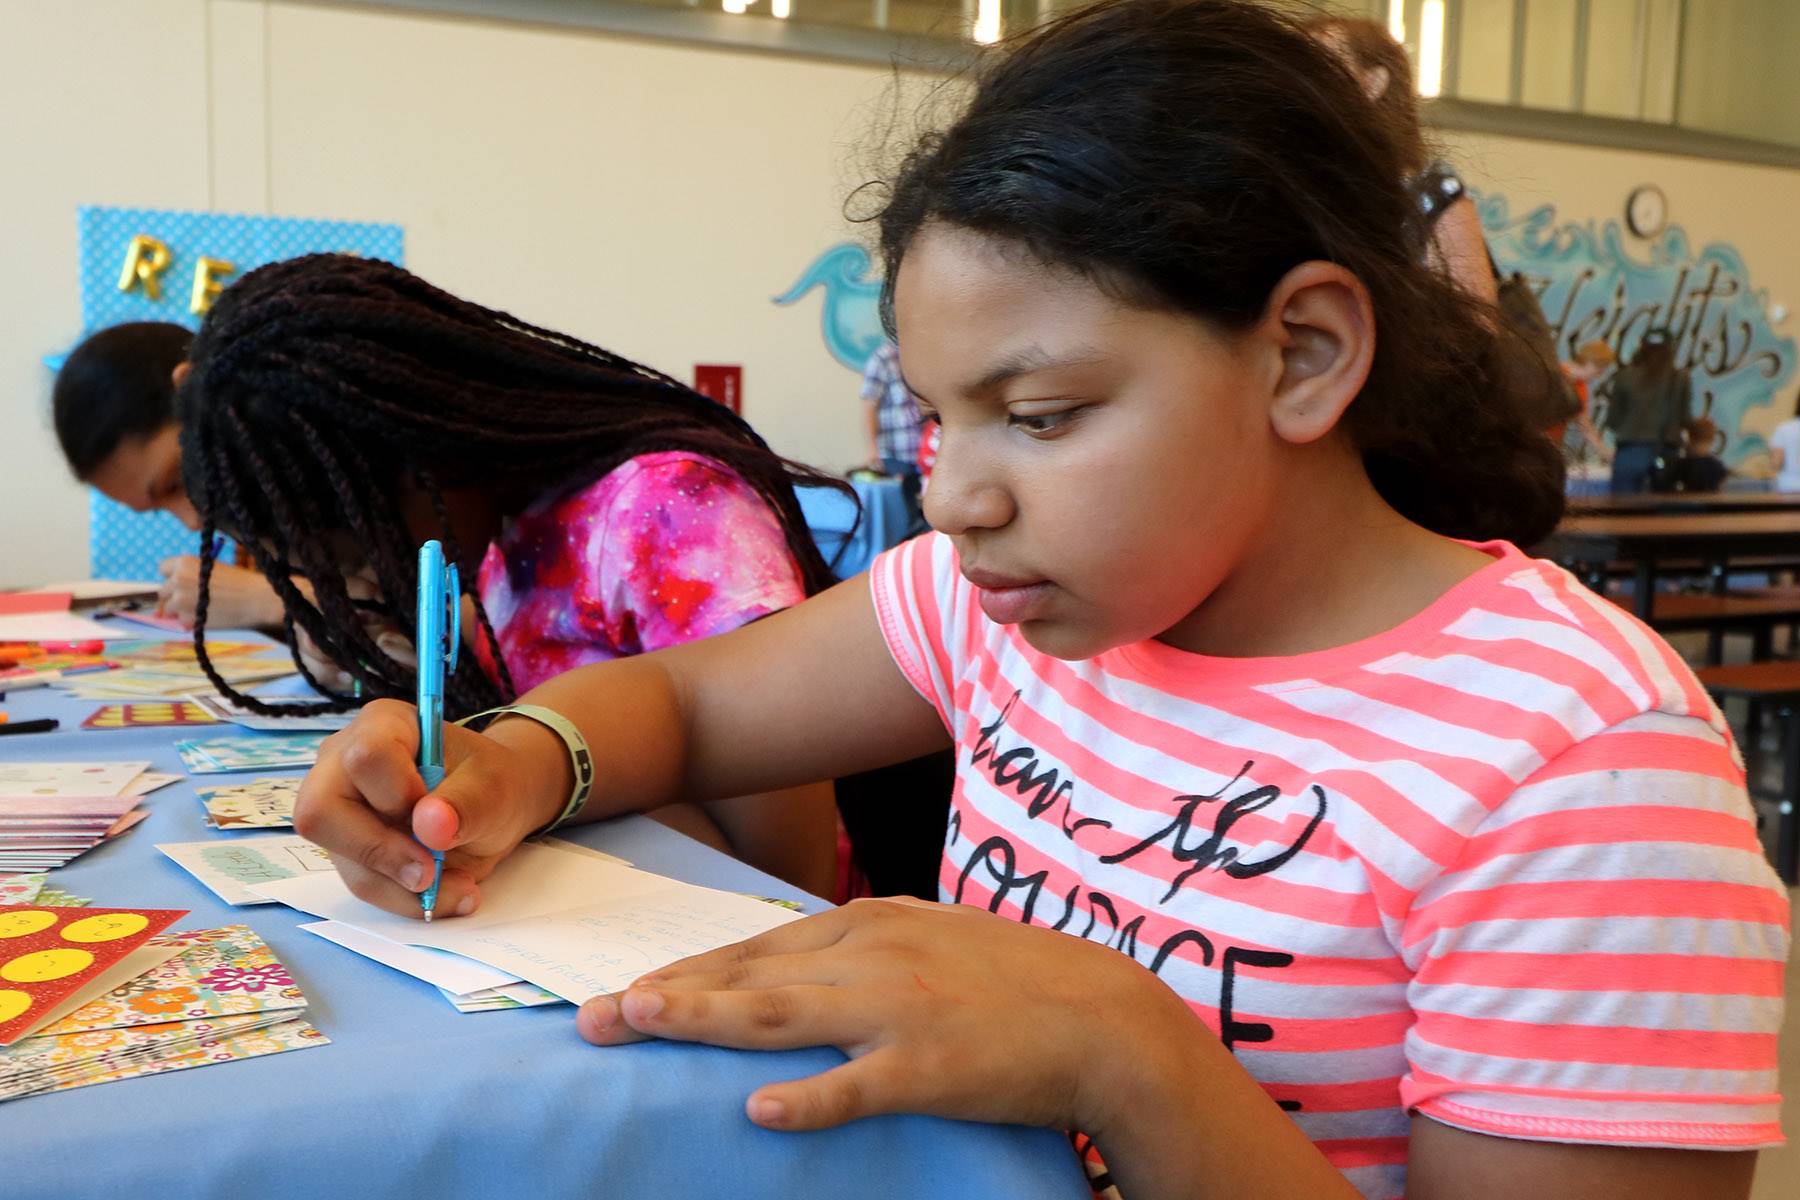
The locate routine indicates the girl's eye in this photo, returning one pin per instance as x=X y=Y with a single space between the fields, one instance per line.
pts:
x=1043 y=425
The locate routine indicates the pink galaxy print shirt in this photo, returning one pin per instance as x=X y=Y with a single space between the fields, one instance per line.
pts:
x=667 y=548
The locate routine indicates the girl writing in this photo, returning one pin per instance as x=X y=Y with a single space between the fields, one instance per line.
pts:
x=1300 y=847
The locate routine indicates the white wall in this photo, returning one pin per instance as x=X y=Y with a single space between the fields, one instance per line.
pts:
x=646 y=196
x=649 y=197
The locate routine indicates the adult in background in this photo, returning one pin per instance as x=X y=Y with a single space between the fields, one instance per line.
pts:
x=894 y=425
x=113 y=409
x=1648 y=402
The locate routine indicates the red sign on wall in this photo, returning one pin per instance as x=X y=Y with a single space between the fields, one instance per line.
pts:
x=722 y=383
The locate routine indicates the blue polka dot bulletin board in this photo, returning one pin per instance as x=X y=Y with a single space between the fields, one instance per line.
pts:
x=140 y=264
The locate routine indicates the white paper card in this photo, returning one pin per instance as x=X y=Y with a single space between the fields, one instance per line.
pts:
x=57 y=627
x=229 y=866
x=452 y=972
x=573 y=924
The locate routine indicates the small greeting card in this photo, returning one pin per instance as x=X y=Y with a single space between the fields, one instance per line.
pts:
x=228 y=866
x=132 y=716
x=219 y=755
x=258 y=804
x=49 y=955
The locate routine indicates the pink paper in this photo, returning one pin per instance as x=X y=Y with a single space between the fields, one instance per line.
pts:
x=16 y=603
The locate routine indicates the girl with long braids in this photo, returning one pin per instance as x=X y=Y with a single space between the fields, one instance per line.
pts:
x=338 y=411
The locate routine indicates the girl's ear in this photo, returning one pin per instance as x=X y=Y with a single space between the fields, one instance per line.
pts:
x=179 y=375
x=1320 y=328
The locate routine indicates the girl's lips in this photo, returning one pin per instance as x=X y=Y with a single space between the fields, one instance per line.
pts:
x=1011 y=605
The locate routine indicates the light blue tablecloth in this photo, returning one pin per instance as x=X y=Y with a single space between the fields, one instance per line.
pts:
x=414 y=1099
x=847 y=544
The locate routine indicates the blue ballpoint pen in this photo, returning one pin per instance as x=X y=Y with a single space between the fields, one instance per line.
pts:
x=439 y=634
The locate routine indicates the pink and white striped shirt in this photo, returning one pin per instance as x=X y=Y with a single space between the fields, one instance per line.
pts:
x=1495 y=865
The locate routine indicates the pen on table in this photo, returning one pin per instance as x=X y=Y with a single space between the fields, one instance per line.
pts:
x=438 y=633
x=42 y=725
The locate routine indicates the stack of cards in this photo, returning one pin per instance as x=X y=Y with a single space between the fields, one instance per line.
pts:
x=229 y=866
x=258 y=804
x=249 y=752
x=507 y=995
x=215 y=995
x=51 y=813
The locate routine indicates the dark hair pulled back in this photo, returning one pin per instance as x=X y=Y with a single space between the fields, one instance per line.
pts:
x=1185 y=155
x=326 y=387
x=115 y=387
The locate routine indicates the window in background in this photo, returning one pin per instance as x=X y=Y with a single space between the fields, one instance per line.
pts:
x=1695 y=76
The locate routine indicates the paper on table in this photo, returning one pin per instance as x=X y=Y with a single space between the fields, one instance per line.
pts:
x=227 y=867
x=56 y=627
x=145 y=958
x=570 y=923
x=556 y=843
x=140 y=617
x=221 y=709
x=99 y=589
x=446 y=970
x=13 y=603
x=148 y=782
x=68 y=779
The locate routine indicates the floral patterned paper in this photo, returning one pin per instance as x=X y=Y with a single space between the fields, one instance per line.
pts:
x=222 y=972
x=21 y=889
x=225 y=997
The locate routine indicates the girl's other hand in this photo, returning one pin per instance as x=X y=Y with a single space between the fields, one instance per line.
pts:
x=365 y=803
x=239 y=599
x=943 y=1009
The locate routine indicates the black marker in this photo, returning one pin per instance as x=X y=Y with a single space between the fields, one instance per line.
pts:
x=43 y=725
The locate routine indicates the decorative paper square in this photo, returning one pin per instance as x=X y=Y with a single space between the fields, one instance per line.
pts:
x=130 y=716
x=20 y=889
x=128 y=545
x=213 y=756
x=151 y=654
x=49 y=954
x=258 y=804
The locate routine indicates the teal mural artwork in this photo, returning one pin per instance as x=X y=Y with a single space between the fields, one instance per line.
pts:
x=851 y=318
x=1592 y=287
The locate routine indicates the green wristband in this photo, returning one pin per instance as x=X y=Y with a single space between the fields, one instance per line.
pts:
x=581 y=760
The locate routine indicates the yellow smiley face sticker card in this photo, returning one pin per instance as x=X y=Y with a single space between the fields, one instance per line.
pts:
x=48 y=955
x=155 y=714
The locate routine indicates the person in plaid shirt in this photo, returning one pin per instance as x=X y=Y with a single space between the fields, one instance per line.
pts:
x=894 y=424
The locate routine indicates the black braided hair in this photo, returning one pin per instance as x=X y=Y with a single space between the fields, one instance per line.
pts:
x=324 y=388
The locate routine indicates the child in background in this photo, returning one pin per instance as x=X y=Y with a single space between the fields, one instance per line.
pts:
x=1784 y=453
x=339 y=411
x=1309 y=839
x=1592 y=361
x=113 y=408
